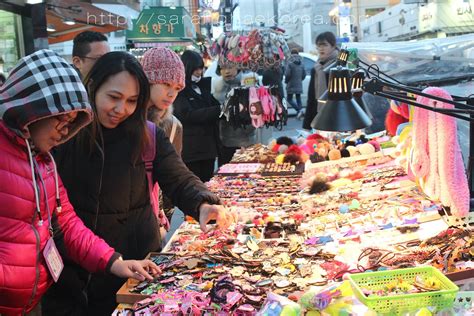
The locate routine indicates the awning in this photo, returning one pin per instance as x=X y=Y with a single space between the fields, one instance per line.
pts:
x=85 y=16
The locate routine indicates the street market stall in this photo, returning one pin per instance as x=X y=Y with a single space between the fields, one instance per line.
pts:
x=295 y=246
x=340 y=224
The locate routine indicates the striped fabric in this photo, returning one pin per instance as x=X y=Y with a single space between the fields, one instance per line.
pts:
x=42 y=85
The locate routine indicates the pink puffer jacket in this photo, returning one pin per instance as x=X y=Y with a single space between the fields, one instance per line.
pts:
x=24 y=277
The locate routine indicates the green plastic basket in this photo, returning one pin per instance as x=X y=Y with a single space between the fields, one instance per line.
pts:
x=400 y=304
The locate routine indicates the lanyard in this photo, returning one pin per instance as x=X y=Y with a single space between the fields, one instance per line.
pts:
x=45 y=195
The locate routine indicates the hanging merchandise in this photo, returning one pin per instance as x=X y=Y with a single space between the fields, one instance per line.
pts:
x=259 y=49
x=256 y=106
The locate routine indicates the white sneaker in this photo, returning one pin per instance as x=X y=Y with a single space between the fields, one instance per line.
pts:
x=300 y=115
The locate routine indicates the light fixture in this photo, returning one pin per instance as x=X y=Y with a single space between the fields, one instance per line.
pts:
x=34 y=1
x=50 y=28
x=69 y=21
x=199 y=10
x=172 y=7
x=357 y=92
x=324 y=97
x=341 y=60
x=341 y=112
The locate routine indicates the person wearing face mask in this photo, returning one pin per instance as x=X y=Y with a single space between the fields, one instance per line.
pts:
x=38 y=224
x=199 y=112
x=103 y=169
x=327 y=49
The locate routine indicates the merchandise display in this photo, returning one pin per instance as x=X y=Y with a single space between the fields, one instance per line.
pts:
x=256 y=106
x=258 y=49
x=312 y=242
x=257 y=192
x=255 y=153
x=240 y=168
x=399 y=291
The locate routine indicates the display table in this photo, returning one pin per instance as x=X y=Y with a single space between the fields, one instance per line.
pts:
x=290 y=241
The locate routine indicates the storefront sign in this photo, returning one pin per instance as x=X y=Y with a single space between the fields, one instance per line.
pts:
x=162 y=23
x=465 y=8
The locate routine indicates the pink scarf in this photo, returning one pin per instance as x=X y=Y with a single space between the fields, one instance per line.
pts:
x=436 y=159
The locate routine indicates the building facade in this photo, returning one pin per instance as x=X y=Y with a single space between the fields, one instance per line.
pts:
x=363 y=10
x=435 y=19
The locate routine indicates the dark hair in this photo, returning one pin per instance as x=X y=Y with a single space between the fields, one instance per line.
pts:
x=2 y=78
x=107 y=66
x=295 y=51
x=82 y=41
x=191 y=61
x=328 y=37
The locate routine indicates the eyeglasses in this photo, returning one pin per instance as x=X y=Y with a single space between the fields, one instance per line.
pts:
x=64 y=122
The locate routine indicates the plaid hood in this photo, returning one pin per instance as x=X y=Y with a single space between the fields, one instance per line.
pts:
x=43 y=85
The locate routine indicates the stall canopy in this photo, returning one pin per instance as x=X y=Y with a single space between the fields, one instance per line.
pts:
x=68 y=18
x=168 y=26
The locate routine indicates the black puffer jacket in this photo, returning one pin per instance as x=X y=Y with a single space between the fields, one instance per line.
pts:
x=199 y=114
x=111 y=196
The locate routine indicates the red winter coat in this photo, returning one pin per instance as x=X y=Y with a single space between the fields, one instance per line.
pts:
x=40 y=86
x=24 y=277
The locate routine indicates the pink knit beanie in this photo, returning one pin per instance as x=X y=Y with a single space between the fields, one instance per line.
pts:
x=162 y=65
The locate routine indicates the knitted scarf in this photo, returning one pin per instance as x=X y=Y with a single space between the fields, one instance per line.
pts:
x=436 y=158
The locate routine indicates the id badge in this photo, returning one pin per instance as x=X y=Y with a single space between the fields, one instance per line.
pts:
x=53 y=259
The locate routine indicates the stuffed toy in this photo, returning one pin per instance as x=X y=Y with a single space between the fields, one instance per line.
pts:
x=284 y=140
x=294 y=154
x=375 y=144
x=345 y=153
x=300 y=141
x=323 y=152
x=397 y=115
x=316 y=158
x=309 y=146
x=334 y=154
x=366 y=149
x=317 y=137
x=352 y=150
x=282 y=148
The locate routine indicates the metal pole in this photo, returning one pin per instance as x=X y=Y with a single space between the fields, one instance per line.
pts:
x=228 y=15
x=275 y=11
